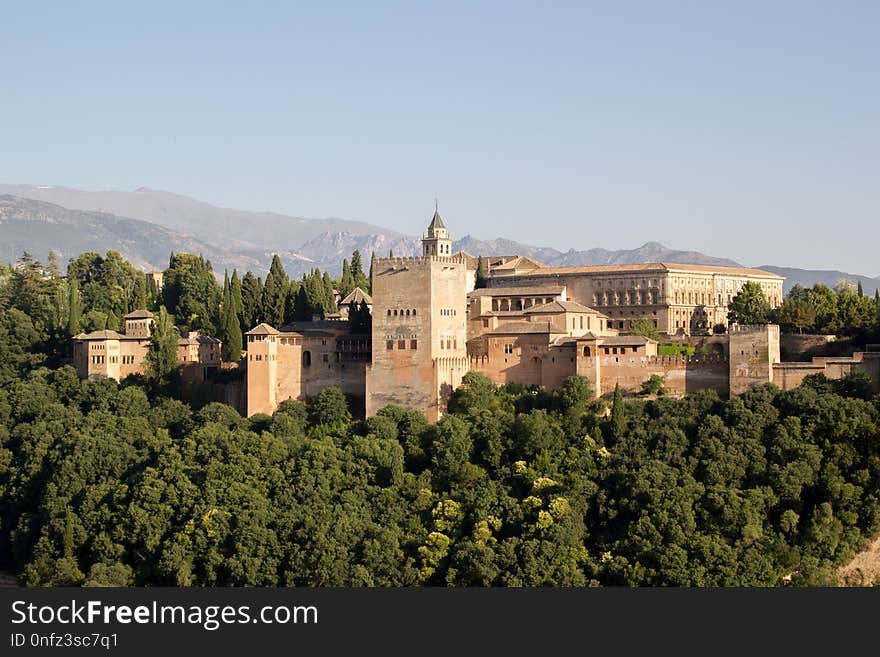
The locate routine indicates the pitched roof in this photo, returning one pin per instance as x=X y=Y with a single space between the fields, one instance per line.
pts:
x=520 y=328
x=319 y=328
x=522 y=290
x=105 y=334
x=643 y=267
x=519 y=262
x=263 y=329
x=197 y=339
x=555 y=307
x=139 y=314
x=626 y=340
x=356 y=296
x=436 y=222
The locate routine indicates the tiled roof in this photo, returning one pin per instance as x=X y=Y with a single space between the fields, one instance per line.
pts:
x=263 y=329
x=555 y=307
x=626 y=340
x=520 y=262
x=524 y=290
x=436 y=221
x=105 y=334
x=648 y=266
x=356 y=296
x=520 y=328
x=139 y=314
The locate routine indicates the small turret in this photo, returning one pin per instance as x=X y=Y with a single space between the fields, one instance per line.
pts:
x=436 y=240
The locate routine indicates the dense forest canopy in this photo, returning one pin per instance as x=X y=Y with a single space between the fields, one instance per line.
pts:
x=100 y=484
x=108 y=484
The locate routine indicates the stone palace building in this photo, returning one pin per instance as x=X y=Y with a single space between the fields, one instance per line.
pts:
x=531 y=324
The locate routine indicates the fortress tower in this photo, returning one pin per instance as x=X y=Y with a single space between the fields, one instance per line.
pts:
x=419 y=338
x=754 y=350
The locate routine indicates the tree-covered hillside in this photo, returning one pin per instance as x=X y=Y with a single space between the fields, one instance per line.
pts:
x=99 y=484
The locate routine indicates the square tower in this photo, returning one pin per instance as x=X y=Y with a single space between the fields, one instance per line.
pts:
x=419 y=333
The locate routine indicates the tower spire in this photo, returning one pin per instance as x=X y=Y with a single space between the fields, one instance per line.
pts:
x=436 y=241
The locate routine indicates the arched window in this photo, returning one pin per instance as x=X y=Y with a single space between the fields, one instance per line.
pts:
x=389 y=312
x=587 y=351
x=414 y=311
x=407 y=312
x=307 y=359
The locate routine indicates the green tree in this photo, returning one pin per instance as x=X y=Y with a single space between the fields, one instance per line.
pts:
x=346 y=283
x=74 y=305
x=235 y=294
x=618 y=414
x=251 y=301
x=369 y=288
x=645 y=327
x=480 y=278
x=329 y=305
x=230 y=324
x=190 y=292
x=329 y=408
x=654 y=385
x=749 y=306
x=161 y=359
x=797 y=314
x=275 y=294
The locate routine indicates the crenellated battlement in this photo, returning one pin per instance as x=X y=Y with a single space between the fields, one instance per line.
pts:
x=419 y=260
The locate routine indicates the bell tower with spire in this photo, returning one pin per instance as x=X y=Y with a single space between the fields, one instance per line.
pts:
x=436 y=240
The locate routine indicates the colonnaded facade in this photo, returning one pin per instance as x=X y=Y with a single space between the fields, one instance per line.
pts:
x=532 y=325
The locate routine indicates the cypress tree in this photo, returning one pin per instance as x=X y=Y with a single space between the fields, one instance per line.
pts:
x=274 y=294
x=235 y=291
x=618 y=414
x=480 y=277
x=329 y=305
x=139 y=294
x=251 y=301
x=369 y=288
x=357 y=267
x=861 y=292
x=162 y=357
x=301 y=311
x=74 y=307
x=346 y=283
x=290 y=302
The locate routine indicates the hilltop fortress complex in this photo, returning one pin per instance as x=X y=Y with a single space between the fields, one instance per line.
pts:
x=531 y=324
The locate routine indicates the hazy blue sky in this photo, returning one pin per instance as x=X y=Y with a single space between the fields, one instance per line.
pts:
x=742 y=129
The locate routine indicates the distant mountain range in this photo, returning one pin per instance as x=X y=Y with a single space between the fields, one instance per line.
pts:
x=829 y=277
x=147 y=225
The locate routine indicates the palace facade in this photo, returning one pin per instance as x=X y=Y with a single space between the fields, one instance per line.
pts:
x=116 y=355
x=531 y=325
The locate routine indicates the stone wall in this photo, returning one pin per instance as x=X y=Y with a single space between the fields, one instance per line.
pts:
x=796 y=346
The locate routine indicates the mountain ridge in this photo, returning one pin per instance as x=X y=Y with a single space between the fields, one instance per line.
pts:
x=147 y=244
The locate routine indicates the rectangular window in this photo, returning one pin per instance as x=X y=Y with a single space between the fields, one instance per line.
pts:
x=413 y=344
x=325 y=358
x=508 y=348
x=401 y=344
x=485 y=323
x=389 y=345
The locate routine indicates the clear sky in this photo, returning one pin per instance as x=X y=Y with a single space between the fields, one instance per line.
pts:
x=749 y=130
